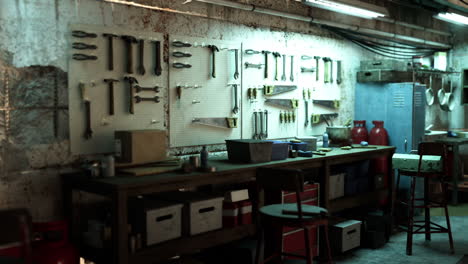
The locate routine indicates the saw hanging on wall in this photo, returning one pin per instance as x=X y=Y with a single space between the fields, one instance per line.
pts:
x=317 y=118
x=286 y=103
x=328 y=103
x=222 y=122
x=270 y=90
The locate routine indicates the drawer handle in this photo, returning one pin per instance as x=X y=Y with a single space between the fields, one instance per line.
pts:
x=368 y=73
x=164 y=217
x=207 y=209
x=351 y=231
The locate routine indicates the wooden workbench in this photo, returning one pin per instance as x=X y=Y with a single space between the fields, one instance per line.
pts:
x=118 y=189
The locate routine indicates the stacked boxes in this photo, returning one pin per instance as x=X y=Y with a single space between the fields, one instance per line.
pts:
x=237 y=209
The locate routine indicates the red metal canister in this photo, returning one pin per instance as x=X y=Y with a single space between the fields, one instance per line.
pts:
x=359 y=132
x=51 y=244
x=378 y=134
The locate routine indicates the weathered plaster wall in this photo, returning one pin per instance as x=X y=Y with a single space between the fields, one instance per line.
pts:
x=36 y=33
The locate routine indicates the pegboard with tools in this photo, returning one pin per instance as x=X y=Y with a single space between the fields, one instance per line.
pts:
x=117 y=81
x=204 y=91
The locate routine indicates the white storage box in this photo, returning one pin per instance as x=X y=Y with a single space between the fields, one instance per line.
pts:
x=236 y=195
x=156 y=220
x=201 y=213
x=346 y=235
x=336 y=188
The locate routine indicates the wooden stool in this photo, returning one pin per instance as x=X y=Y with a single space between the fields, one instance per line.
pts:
x=289 y=214
x=426 y=148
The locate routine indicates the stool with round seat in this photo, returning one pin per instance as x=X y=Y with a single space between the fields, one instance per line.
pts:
x=296 y=215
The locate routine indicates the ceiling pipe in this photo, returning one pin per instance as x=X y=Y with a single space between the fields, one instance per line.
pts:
x=267 y=11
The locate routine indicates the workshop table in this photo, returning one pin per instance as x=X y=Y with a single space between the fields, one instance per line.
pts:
x=119 y=189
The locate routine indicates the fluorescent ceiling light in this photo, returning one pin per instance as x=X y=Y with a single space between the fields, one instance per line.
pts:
x=347 y=9
x=453 y=18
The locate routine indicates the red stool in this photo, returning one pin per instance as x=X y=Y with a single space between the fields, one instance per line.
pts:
x=426 y=226
x=288 y=214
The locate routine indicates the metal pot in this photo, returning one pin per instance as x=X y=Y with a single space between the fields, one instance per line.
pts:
x=339 y=135
x=430 y=93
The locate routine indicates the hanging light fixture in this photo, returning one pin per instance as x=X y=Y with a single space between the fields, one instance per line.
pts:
x=453 y=18
x=349 y=7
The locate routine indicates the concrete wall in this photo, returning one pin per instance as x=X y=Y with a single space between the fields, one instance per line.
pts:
x=33 y=71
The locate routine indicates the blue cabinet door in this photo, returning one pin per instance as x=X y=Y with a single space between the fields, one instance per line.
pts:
x=400 y=116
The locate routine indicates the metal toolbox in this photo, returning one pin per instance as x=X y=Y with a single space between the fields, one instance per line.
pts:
x=346 y=235
x=410 y=162
x=156 y=220
x=395 y=65
x=384 y=76
x=201 y=213
x=249 y=150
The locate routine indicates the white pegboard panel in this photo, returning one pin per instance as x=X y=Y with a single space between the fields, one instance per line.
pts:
x=213 y=97
x=319 y=91
x=148 y=115
x=254 y=78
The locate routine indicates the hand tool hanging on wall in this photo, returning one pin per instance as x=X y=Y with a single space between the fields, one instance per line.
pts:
x=287 y=103
x=293 y=116
x=326 y=71
x=305 y=57
x=131 y=81
x=157 y=56
x=179 y=65
x=83 y=46
x=110 y=50
x=276 y=55
x=252 y=93
x=265 y=53
x=266 y=123
x=141 y=48
x=328 y=103
x=83 y=34
x=180 y=54
x=283 y=77
x=251 y=52
x=88 y=132
x=291 y=74
x=304 y=69
x=110 y=83
x=317 y=118
x=270 y=90
x=331 y=71
x=253 y=65
x=129 y=40
x=289 y=117
x=306 y=107
x=255 y=125
x=338 y=72
x=180 y=44
x=236 y=61
x=235 y=110
x=155 y=89
x=317 y=67
x=139 y=99
x=213 y=49
x=80 y=56
x=261 y=135
x=222 y=122
x=281 y=117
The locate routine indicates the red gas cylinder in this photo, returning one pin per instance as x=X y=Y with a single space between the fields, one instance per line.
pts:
x=51 y=245
x=378 y=135
x=359 y=131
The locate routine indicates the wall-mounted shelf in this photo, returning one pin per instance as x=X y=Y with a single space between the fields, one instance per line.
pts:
x=464 y=98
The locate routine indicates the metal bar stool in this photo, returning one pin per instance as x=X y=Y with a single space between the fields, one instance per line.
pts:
x=426 y=226
x=287 y=214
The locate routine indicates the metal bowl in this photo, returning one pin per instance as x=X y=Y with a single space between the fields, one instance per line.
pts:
x=339 y=135
x=429 y=96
